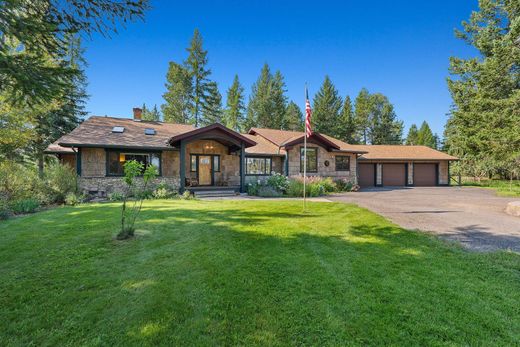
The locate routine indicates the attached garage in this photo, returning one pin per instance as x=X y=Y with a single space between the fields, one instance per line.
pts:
x=394 y=174
x=367 y=175
x=425 y=175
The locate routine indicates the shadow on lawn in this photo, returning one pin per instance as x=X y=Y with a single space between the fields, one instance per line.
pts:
x=208 y=276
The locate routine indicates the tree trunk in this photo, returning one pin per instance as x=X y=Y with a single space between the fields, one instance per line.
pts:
x=40 y=164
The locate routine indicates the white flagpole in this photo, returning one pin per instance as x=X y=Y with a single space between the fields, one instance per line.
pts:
x=305 y=153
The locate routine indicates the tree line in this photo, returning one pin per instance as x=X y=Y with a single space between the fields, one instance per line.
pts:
x=192 y=98
x=483 y=128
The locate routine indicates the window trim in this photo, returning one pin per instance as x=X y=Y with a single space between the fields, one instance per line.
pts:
x=260 y=157
x=301 y=161
x=336 y=162
x=132 y=151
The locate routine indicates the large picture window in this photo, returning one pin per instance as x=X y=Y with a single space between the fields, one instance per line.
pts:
x=258 y=166
x=342 y=163
x=312 y=159
x=117 y=160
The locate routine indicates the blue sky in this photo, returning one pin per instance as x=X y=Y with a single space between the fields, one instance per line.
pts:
x=399 y=48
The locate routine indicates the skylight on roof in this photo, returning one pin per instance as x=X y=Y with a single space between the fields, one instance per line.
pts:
x=118 y=129
x=149 y=131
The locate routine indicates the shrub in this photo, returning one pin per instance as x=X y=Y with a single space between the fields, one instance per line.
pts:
x=73 y=199
x=115 y=196
x=186 y=195
x=18 y=182
x=59 y=180
x=25 y=206
x=343 y=185
x=316 y=186
x=278 y=182
x=5 y=213
x=164 y=191
x=252 y=189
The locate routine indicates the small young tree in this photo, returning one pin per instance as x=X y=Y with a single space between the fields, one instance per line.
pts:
x=133 y=169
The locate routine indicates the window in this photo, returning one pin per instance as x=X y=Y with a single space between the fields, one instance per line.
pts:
x=342 y=163
x=216 y=163
x=193 y=163
x=258 y=166
x=118 y=129
x=116 y=161
x=149 y=131
x=312 y=159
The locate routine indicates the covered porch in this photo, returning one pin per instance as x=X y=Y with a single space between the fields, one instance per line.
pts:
x=212 y=157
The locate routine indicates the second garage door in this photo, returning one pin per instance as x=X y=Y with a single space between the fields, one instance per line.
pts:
x=394 y=174
x=424 y=175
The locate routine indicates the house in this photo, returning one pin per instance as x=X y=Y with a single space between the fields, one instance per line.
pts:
x=215 y=156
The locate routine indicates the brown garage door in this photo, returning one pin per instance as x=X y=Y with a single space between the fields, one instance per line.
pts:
x=394 y=175
x=424 y=175
x=366 y=175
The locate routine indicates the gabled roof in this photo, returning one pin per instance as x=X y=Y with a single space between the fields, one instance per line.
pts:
x=212 y=129
x=263 y=146
x=286 y=138
x=97 y=132
x=402 y=152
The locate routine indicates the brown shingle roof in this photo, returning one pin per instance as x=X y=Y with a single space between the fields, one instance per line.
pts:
x=402 y=152
x=263 y=146
x=97 y=131
x=54 y=148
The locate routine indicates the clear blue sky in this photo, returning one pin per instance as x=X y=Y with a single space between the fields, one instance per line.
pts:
x=399 y=48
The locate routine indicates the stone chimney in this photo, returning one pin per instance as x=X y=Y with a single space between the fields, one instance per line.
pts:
x=138 y=112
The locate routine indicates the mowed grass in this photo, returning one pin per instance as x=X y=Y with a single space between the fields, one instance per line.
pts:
x=247 y=273
x=502 y=187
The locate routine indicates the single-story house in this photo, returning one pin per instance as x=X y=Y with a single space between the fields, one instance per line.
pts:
x=215 y=156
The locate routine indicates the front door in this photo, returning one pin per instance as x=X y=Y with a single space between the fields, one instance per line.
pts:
x=205 y=172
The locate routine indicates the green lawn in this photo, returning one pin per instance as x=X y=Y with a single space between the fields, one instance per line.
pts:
x=502 y=187
x=247 y=273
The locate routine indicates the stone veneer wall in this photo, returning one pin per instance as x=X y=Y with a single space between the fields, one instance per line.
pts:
x=93 y=172
x=229 y=164
x=326 y=171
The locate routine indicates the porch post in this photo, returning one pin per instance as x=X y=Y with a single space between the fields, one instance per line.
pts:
x=286 y=163
x=242 y=168
x=182 y=169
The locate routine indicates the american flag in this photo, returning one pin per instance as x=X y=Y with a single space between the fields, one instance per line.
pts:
x=308 y=113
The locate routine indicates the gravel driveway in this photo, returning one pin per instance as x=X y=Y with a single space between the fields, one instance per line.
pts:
x=474 y=217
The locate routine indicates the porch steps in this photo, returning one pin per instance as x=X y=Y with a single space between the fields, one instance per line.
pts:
x=201 y=194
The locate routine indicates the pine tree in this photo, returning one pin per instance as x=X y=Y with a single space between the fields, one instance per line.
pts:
x=196 y=66
x=279 y=101
x=212 y=106
x=362 y=112
x=384 y=127
x=259 y=108
x=293 y=118
x=413 y=134
x=425 y=136
x=348 y=130
x=326 y=109
x=178 y=106
x=234 y=114
x=150 y=115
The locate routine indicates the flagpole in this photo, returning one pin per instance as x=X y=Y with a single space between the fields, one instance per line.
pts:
x=305 y=156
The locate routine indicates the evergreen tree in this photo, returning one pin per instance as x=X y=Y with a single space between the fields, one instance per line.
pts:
x=413 y=134
x=362 y=112
x=234 y=114
x=278 y=100
x=425 y=136
x=212 y=106
x=259 y=108
x=196 y=66
x=484 y=125
x=150 y=115
x=326 y=109
x=178 y=96
x=384 y=127
x=293 y=118
x=348 y=130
